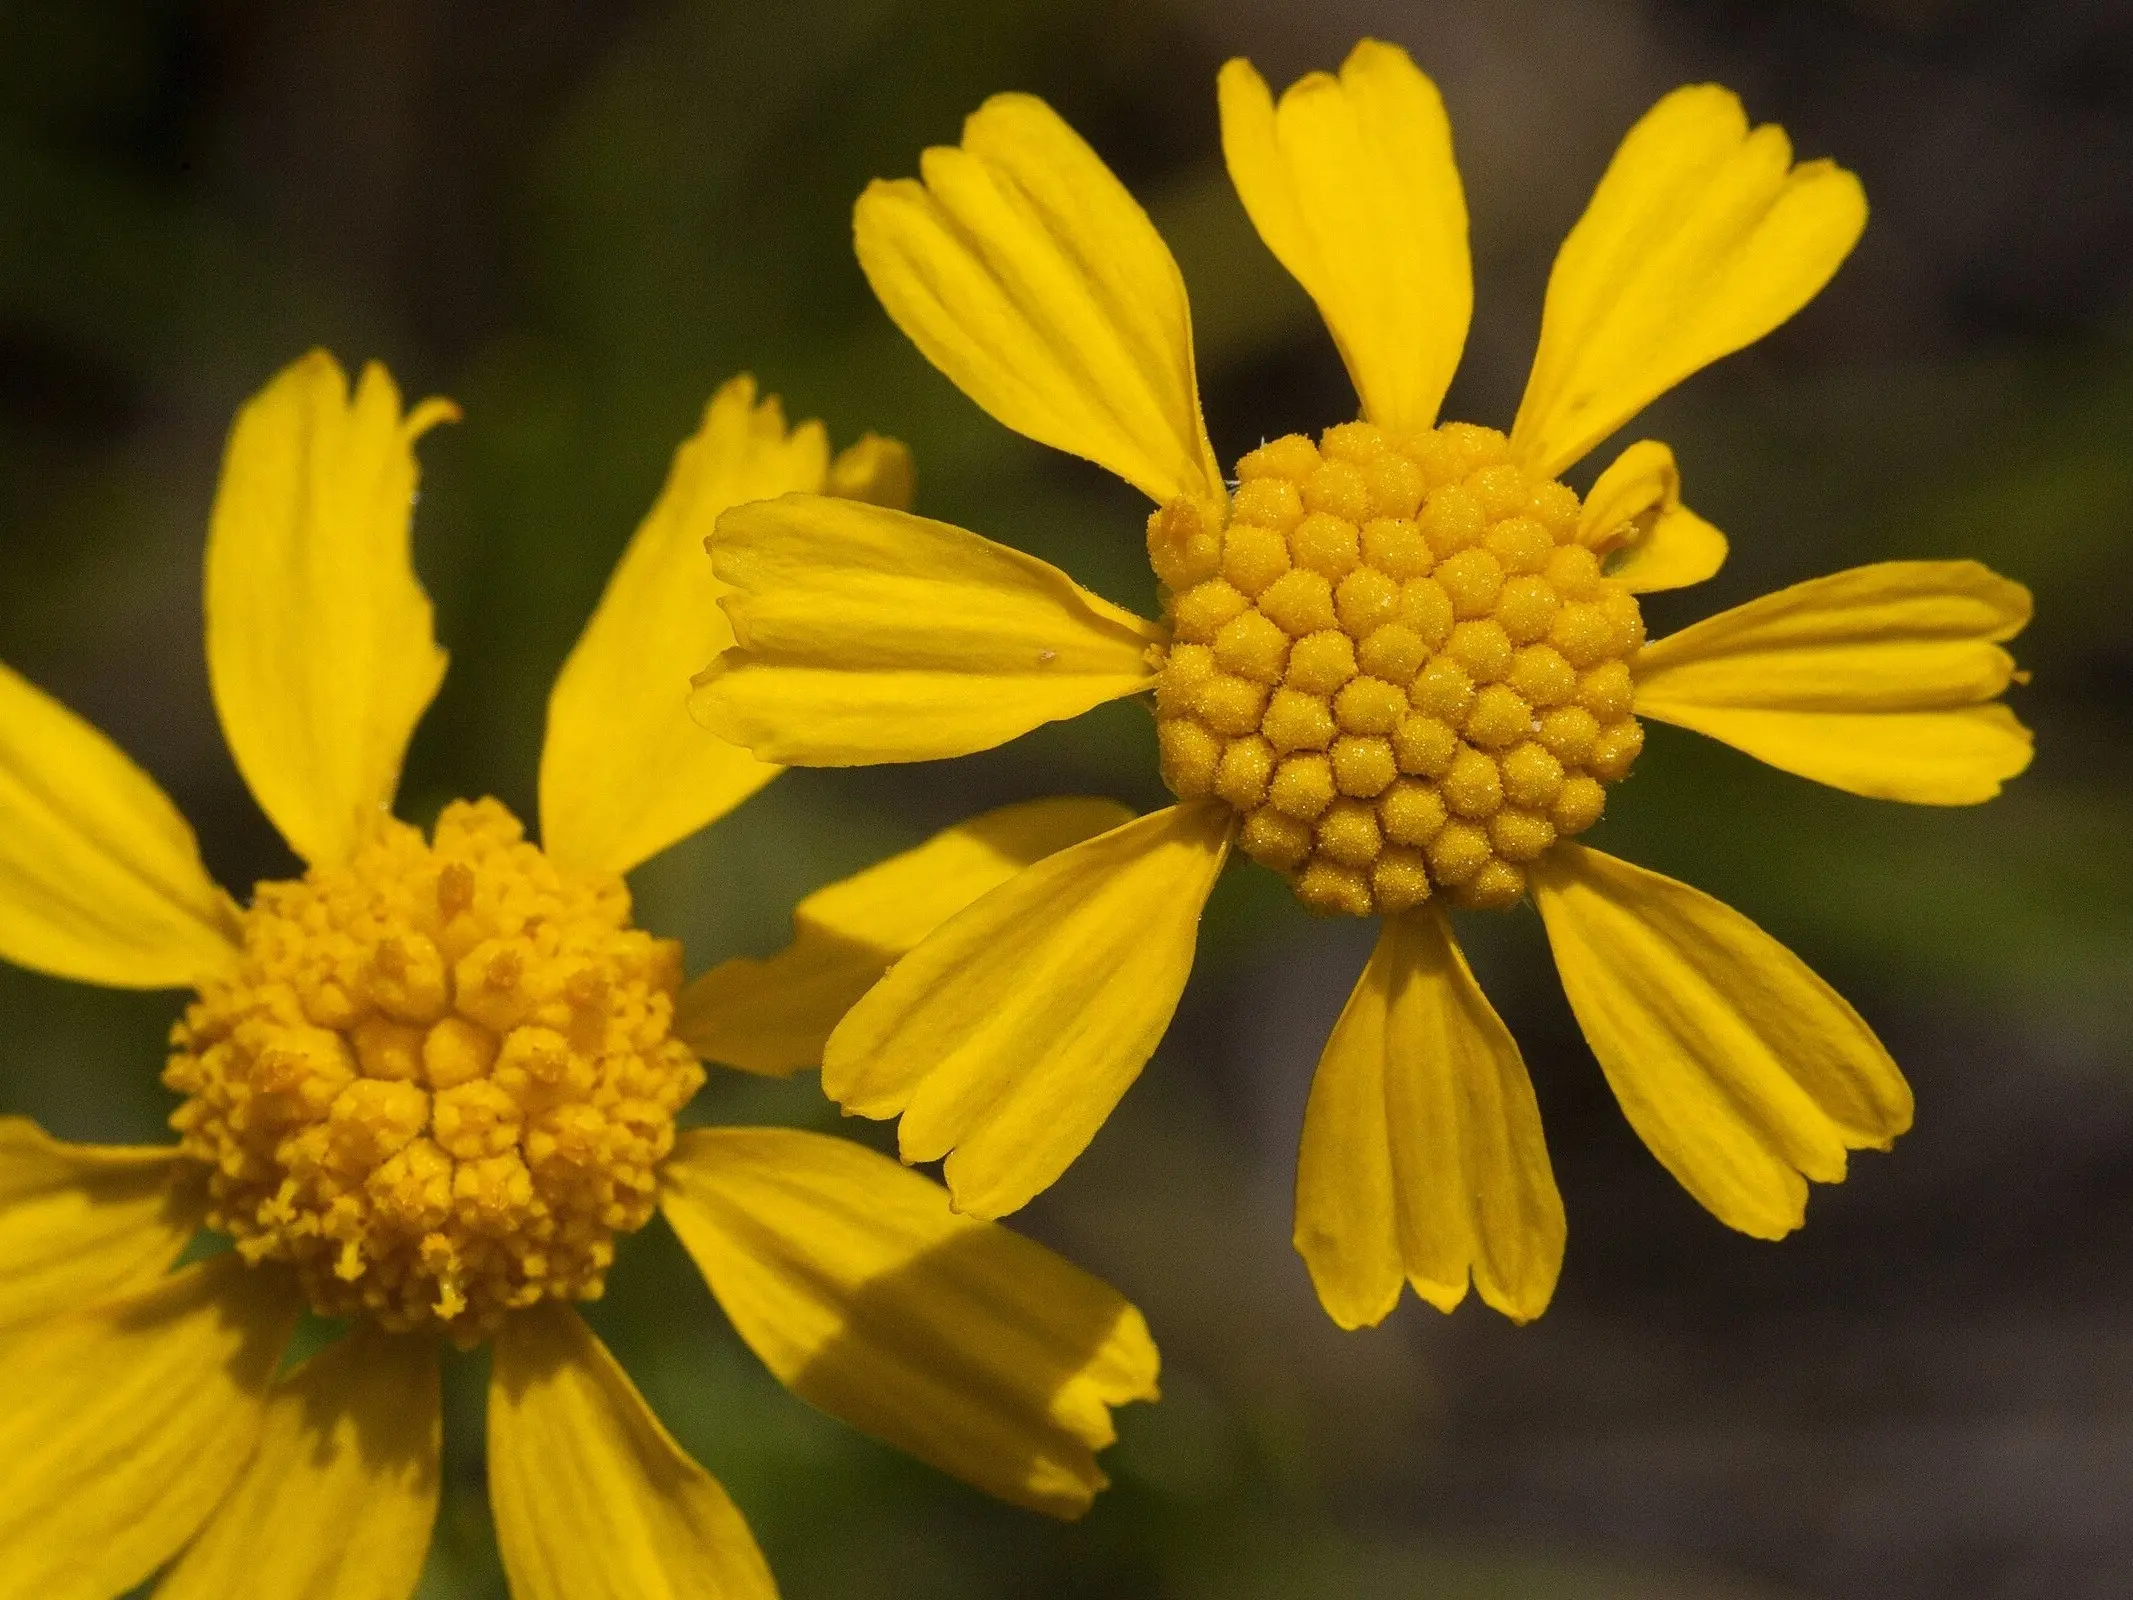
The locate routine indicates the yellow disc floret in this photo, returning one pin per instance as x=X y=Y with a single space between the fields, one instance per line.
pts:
x=1395 y=660
x=441 y=1078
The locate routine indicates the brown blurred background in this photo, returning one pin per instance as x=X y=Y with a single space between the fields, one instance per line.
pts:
x=577 y=218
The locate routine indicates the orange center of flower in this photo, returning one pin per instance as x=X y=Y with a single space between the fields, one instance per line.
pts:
x=440 y=1080
x=1394 y=659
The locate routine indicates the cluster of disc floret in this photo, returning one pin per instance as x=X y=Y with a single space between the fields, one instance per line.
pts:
x=439 y=1080
x=1395 y=660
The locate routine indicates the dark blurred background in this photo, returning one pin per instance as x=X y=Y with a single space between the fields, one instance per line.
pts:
x=578 y=216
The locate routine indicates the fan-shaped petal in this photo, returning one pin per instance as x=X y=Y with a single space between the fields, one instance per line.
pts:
x=1351 y=183
x=1876 y=680
x=319 y=643
x=865 y=1292
x=1029 y=276
x=1701 y=238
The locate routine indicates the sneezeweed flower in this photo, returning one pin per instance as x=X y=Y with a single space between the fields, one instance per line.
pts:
x=1400 y=664
x=429 y=1084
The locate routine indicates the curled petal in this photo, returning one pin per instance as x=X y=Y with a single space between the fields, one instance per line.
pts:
x=1635 y=518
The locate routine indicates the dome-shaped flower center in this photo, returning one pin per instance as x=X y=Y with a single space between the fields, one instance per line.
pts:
x=1396 y=661
x=439 y=1080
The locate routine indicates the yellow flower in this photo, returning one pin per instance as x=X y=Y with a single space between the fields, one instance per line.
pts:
x=429 y=1083
x=1399 y=664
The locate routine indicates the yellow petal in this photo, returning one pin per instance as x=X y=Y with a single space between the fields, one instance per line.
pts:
x=319 y=644
x=100 y=878
x=122 y=1426
x=774 y=1016
x=876 y=470
x=1635 y=518
x=1701 y=238
x=1422 y=1156
x=1351 y=183
x=338 y=1501
x=1740 y=1068
x=1010 y=1033
x=593 y=1498
x=1872 y=680
x=1025 y=272
x=81 y=1222
x=869 y=635
x=624 y=771
x=969 y=1346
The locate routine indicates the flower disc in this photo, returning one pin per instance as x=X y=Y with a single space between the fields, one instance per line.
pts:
x=1396 y=661
x=440 y=1079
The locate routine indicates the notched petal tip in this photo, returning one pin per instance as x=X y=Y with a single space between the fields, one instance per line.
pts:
x=321 y=643
x=1700 y=239
x=1422 y=1159
x=877 y=470
x=1024 y=271
x=1007 y=115
x=1351 y=184
x=431 y=413
x=1379 y=53
x=2015 y=604
x=706 y=709
x=1744 y=1072
x=1882 y=680
x=625 y=772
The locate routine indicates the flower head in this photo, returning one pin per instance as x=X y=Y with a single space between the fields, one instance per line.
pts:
x=1401 y=664
x=431 y=1083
